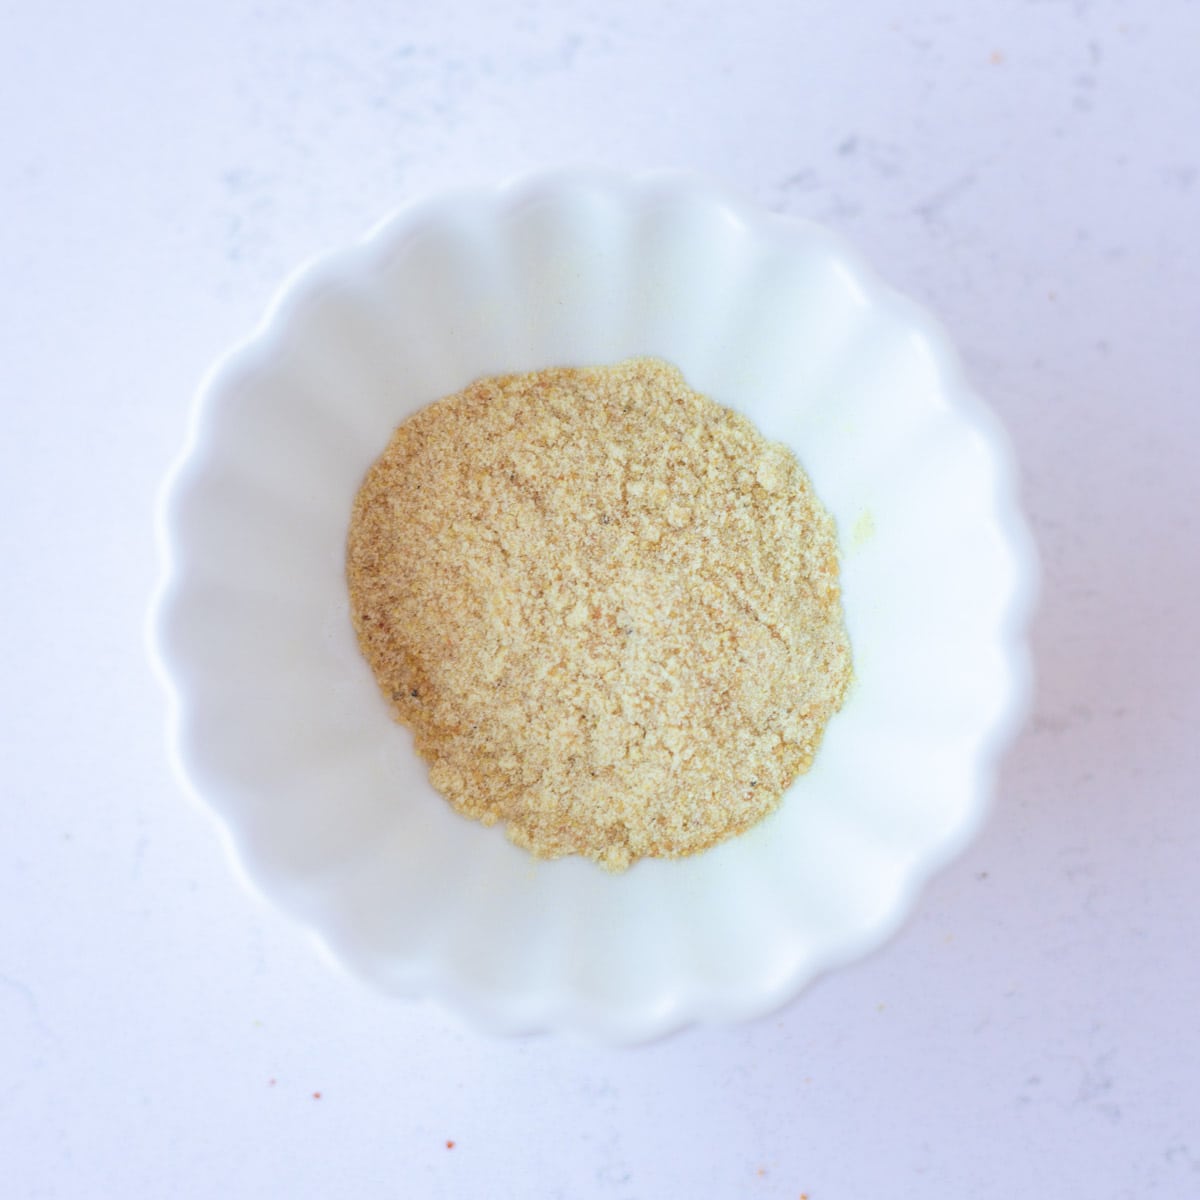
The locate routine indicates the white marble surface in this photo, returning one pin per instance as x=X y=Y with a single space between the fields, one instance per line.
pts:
x=1029 y=170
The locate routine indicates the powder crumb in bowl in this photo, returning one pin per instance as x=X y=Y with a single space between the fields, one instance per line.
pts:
x=606 y=606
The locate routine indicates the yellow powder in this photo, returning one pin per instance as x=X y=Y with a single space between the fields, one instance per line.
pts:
x=606 y=606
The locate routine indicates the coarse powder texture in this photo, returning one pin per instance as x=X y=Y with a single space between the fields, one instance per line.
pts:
x=606 y=606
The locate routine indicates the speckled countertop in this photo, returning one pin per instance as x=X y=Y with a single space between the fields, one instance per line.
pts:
x=1031 y=171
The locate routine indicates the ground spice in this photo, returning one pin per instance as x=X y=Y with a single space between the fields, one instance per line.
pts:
x=606 y=606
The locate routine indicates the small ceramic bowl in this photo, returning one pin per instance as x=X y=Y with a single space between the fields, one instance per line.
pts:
x=275 y=720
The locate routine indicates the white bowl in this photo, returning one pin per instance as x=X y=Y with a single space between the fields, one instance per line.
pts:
x=276 y=722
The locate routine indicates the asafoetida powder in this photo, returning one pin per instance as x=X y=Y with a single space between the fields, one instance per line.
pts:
x=605 y=605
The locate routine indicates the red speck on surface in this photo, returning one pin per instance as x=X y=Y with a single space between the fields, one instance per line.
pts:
x=449 y=1145
x=270 y=1083
x=316 y=1095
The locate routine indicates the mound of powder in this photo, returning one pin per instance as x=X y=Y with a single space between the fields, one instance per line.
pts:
x=606 y=606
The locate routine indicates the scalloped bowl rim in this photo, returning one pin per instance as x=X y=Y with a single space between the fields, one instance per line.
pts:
x=574 y=1013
